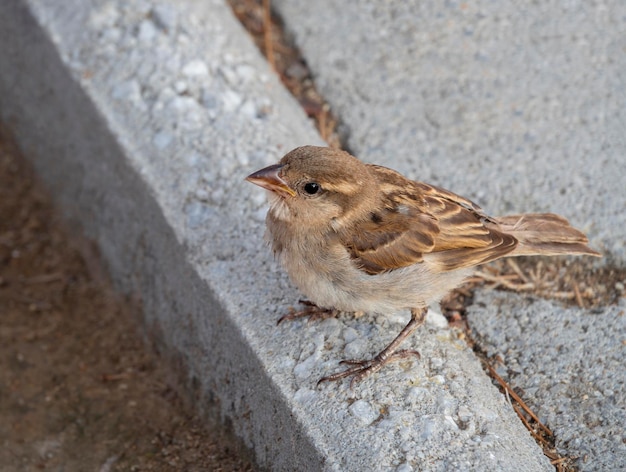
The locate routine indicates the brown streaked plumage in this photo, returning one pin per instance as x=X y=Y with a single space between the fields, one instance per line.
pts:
x=361 y=237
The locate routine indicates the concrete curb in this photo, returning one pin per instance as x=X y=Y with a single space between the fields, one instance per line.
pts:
x=569 y=364
x=143 y=118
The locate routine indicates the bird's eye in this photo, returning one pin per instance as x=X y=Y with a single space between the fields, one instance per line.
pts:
x=312 y=188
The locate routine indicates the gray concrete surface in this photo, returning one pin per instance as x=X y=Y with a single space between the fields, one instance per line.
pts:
x=576 y=386
x=143 y=117
x=521 y=107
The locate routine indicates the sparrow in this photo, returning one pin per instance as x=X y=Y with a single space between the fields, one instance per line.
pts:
x=356 y=237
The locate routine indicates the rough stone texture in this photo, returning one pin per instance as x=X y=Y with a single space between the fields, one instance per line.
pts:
x=569 y=364
x=144 y=117
x=155 y=176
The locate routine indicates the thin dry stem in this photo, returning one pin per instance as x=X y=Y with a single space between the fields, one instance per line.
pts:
x=579 y=298
x=518 y=399
x=513 y=264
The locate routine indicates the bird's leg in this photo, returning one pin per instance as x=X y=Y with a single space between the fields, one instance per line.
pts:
x=362 y=369
x=310 y=310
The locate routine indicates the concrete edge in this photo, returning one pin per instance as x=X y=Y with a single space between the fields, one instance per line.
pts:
x=63 y=135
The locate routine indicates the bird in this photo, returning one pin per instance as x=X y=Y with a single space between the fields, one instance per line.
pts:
x=358 y=237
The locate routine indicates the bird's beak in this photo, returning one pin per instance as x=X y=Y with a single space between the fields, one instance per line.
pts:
x=270 y=179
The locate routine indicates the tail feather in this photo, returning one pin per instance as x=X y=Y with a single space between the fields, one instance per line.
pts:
x=544 y=234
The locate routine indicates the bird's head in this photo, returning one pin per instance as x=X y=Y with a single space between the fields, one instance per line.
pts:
x=316 y=185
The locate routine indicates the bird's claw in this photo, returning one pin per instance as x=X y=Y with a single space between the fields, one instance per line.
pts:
x=363 y=368
x=310 y=310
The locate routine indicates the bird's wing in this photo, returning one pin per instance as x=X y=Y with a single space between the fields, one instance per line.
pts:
x=420 y=221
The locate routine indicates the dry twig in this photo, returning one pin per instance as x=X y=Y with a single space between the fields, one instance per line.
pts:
x=518 y=399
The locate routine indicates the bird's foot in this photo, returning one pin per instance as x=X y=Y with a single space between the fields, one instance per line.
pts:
x=362 y=369
x=311 y=311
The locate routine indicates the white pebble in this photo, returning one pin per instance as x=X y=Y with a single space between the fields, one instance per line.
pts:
x=416 y=394
x=305 y=396
x=350 y=334
x=438 y=379
x=195 y=68
x=451 y=423
x=128 y=91
x=198 y=214
x=230 y=75
x=208 y=176
x=464 y=413
x=162 y=140
x=165 y=95
x=182 y=104
x=202 y=194
x=356 y=348
x=363 y=411
x=180 y=87
x=231 y=101
x=187 y=109
x=436 y=362
x=105 y=17
x=428 y=428
x=147 y=31
x=304 y=370
x=242 y=158
x=246 y=72
x=401 y=317
x=165 y=17
x=111 y=35
x=249 y=109
x=434 y=318
x=217 y=195
x=193 y=159
x=260 y=215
